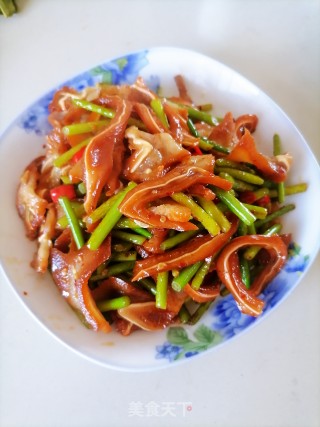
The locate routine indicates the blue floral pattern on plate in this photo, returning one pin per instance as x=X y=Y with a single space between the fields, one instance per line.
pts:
x=35 y=118
x=119 y=71
x=228 y=321
x=180 y=345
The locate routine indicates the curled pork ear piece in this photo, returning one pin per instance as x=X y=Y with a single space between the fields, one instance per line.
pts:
x=275 y=168
x=229 y=271
x=31 y=207
x=71 y=272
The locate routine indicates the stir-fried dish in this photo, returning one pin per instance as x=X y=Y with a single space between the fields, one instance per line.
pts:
x=148 y=208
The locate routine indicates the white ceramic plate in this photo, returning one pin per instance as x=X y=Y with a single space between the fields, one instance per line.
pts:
x=207 y=81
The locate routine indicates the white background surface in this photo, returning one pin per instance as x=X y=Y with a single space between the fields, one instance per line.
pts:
x=270 y=376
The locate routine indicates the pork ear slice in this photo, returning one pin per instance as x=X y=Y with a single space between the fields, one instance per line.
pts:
x=104 y=153
x=274 y=168
x=113 y=287
x=31 y=207
x=71 y=272
x=46 y=234
x=147 y=316
x=152 y=155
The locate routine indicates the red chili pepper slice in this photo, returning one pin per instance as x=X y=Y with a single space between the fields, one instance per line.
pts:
x=65 y=190
x=248 y=197
x=197 y=150
x=78 y=155
x=265 y=200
